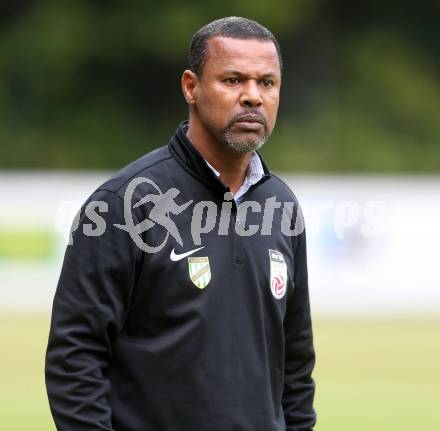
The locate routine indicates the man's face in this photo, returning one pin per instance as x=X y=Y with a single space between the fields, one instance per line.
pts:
x=237 y=97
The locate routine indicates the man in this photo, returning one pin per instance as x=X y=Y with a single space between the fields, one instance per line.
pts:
x=207 y=329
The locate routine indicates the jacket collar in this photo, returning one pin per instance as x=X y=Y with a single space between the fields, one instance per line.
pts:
x=192 y=161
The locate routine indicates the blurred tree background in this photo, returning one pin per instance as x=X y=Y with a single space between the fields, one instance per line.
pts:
x=93 y=84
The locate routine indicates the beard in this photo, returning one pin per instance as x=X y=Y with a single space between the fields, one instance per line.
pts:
x=240 y=142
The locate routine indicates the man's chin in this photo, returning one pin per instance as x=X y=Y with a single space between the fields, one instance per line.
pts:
x=245 y=145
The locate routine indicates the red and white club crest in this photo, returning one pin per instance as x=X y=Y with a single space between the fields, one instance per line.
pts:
x=278 y=274
x=278 y=285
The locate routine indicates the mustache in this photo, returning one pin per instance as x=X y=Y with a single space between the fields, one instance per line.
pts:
x=250 y=115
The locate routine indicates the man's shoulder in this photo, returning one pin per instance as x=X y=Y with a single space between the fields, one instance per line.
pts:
x=282 y=190
x=138 y=168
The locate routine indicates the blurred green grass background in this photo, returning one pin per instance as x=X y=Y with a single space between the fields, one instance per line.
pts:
x=371 y=374
x=95 y=85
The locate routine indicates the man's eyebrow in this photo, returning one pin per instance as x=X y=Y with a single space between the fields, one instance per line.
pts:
x=241 y=74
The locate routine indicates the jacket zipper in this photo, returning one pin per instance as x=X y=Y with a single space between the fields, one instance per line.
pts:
x=237 y=241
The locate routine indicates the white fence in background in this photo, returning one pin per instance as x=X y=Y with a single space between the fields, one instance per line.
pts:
x=373 y=241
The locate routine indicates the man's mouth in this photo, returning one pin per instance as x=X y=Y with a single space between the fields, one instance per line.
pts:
x=250 y=122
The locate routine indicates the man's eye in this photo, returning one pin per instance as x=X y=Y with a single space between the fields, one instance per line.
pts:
x=267 y=83
x=232 y=81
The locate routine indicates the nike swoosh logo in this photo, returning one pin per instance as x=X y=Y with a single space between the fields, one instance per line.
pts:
x=176 y=257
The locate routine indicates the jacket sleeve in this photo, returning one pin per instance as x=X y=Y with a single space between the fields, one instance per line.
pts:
x=90 y=306
x=299 y=387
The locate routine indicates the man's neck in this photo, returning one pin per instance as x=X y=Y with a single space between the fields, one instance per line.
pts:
x=230 y=164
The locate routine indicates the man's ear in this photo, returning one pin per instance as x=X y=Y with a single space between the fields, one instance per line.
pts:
x=189 y=86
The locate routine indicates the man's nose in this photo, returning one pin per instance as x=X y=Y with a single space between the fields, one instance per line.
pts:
x=251 y=95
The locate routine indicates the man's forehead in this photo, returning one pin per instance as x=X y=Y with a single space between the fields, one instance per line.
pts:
x=226 y=50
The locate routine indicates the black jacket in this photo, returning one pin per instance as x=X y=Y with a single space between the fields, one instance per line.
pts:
x=136 y=345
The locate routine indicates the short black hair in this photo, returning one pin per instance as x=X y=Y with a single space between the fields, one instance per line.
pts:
x=234 y=27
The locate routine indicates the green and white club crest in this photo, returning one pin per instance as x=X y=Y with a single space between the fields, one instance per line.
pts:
x=199 y=271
